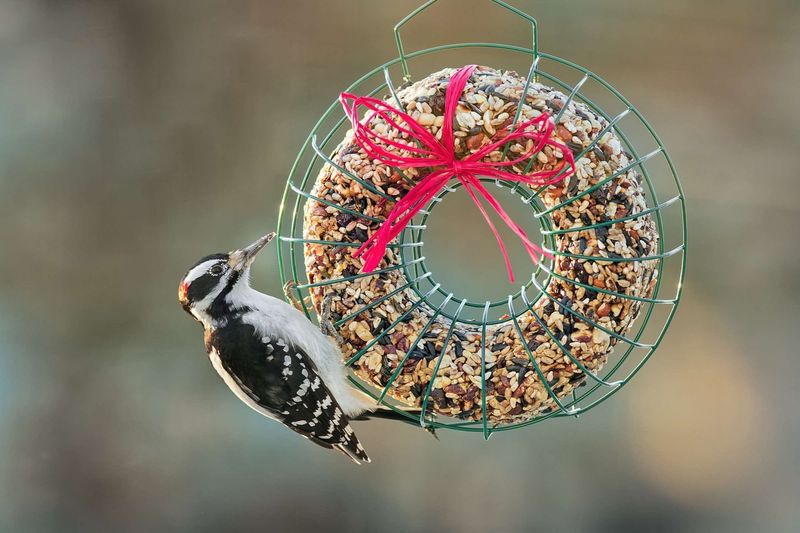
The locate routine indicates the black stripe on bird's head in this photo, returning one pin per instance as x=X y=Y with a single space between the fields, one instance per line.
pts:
x=211 y=278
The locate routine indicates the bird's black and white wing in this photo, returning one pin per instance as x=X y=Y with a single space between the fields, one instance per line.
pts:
x=279 y=380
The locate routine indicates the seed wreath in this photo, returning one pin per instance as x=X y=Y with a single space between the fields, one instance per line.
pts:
x=514 y=385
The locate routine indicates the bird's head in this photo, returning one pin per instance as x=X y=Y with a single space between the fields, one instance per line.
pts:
x=212 y=278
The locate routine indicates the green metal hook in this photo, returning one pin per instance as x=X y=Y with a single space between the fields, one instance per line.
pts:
x=408 y=18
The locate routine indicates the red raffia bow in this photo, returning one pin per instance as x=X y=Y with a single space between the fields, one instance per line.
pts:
x=427 y=151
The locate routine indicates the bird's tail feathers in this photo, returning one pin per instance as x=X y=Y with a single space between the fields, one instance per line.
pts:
x=354 y=451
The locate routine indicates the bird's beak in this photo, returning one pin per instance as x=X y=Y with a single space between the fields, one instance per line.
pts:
x=241 y=259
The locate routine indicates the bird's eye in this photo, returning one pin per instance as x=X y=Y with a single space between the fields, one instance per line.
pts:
x=216 y=270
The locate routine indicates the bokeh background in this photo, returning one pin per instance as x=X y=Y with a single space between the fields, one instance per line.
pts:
x=138 y=135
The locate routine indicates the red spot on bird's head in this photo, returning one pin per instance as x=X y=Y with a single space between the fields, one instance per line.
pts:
x=183 y=289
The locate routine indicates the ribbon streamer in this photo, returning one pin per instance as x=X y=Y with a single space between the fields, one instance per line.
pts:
x=426 y=151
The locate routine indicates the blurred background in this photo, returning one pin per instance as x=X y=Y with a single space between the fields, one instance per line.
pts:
x=139 y=135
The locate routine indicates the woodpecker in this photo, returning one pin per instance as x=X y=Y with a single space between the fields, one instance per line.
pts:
x=270 y=355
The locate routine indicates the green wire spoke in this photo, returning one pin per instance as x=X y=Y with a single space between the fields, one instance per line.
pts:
x=571 y=97
x=610 y=293
x=399 y=104
x=383 y=333
x=334 y=205
x=573 y=93
x=484 y=415
x=542 y=376
x=596 y=139
x=413 y=347
x=360 y=386
x=377 y=302
x=343 y=243
x=403 y=175
x=523 y=101
x=445 y=345
x=604 y=259
x=597 y=379
x=388 y=80
x=616 y=174
x=584 y=318
x=563 y=348
x=364 y=183
x=613 y=221
x=354 y=277
x=339 y=123
x=556 y=120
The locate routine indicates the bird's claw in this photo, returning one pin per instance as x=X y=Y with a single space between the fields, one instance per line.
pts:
x=290 y=292
x=325 y=322
x=431 y=431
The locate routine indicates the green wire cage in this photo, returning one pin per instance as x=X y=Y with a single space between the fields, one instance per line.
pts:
x=665 y=204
